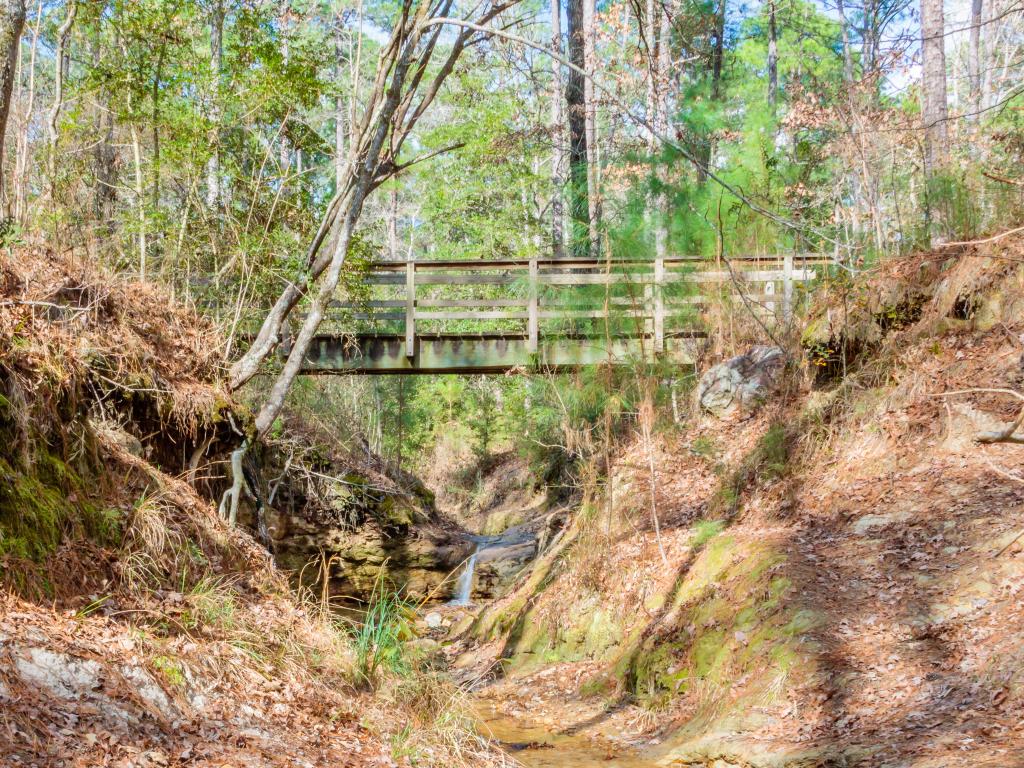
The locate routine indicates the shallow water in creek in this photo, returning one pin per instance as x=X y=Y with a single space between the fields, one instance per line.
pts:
x=538 y=747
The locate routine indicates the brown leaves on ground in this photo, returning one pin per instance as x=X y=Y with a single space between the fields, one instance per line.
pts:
x=88 y=690
x=899 y=533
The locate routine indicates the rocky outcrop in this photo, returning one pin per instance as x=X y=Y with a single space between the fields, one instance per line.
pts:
x=364 y=533
x=740 y=383
x=366 y=523
x=501 y=558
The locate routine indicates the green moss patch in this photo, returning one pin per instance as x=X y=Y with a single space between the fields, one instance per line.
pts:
x=43 y=504
x=728 y=622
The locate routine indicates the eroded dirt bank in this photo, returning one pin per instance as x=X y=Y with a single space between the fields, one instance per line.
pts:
x=137 y=628
x=844 y=566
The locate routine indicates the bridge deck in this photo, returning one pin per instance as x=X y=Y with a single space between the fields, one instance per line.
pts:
x=496 y=316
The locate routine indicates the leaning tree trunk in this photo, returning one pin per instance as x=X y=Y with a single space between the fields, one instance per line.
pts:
x=12 y=21
x=21 y=160
x=934 y=110
x=399 y=96
x=340 y=106
x=60 y=74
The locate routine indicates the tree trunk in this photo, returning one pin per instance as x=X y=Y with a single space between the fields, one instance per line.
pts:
x=557 y=136
x=392 y=221
x=21 y=161
x=869 y=35
x=974 y=59
x=213 y=173
x=339 y=102
x=12 y=21
x=718 y=53
x=773 y=58
x=649 y=33
x=284 y=151
x=706 y=147
x=157 y=161
x=275 y=400
x=140 y=200
x=104 y=152
x=579 y=204
x=593 y=178
x=844 y=27
x=934 y=111
x=63 y=38
x=664 y=65
x=661 y=33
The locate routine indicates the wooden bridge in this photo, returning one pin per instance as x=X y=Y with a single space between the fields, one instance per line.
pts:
x=495 y=316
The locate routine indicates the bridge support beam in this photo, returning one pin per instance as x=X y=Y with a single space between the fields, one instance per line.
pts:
x=481 y=354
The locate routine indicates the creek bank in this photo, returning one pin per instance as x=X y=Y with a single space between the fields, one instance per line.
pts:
x=844 y=564
x=136 y=626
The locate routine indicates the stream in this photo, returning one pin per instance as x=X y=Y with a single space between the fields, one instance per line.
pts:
x=532 y=745
x=537 y=747
x=464 y=586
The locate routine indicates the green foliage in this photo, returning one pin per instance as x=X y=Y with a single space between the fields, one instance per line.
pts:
x=171 y=670
x=211 y=602
x=772 y=453
x=705 y=447
x=91 y=607
x=481 y=216
x=952 y=207
x=378 y=639
x=11 y=233
x=704 y=531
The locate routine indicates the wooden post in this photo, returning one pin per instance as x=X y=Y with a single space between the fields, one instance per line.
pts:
x=769 y=290
x=532 y=324
x=787 y=286
x=647 y=310
x=659 y=305
x=410 y=309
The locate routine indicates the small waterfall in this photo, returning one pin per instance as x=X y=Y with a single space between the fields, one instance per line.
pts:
x=464 y=586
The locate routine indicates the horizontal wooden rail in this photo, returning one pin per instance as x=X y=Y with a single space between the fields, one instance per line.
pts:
x=688 y=261
x=615 y=278
x=478 y=315
x=472 y=302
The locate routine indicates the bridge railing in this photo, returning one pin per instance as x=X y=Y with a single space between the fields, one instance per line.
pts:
x=652 y=293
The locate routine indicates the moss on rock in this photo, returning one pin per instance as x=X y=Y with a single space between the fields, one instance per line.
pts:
x=44 y=500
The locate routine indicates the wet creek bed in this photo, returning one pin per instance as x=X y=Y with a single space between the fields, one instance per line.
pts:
x=538 y=746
